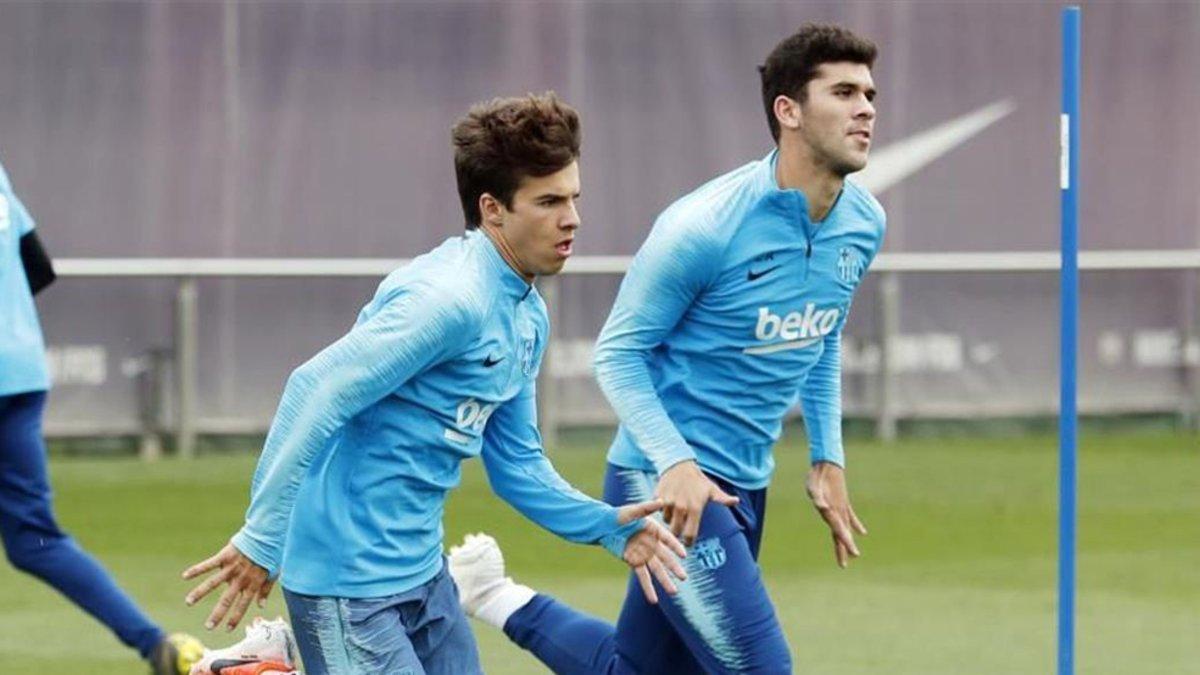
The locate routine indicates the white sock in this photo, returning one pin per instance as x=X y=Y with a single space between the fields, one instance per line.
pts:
x=505 y=601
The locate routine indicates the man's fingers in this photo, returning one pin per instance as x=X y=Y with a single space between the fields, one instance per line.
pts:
x=692 y=528
x=834 y=518
x=664 y=536
x=204 y=566
x=841 y=531
x=206 y=587
x=844 y=535
x=721 y=497
x=222 y=607
x=858 y=524
x=668 y=512
x=264 y=591
x=671 y=560
x=847 y=536
x=664 y=579
x=839 y=552
x=239 y=609
x=631 y=512
x=643 y=576
x=678 y=522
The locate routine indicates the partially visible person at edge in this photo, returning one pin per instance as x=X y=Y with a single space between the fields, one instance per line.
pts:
x=33 y=541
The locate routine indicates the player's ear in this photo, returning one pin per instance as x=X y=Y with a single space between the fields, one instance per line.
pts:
x=491 y=211
x=787 y=112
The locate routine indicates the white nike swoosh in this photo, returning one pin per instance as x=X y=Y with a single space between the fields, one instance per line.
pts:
x=893 y=163
x=780 y=346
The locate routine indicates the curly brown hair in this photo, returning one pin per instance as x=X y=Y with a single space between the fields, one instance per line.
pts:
x=795 y=60
x=500 y=142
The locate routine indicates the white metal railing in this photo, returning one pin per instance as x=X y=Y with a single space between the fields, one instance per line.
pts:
x=888 y=266
x=1004 y=261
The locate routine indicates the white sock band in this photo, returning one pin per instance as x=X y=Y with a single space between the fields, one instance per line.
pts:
x=504 y=602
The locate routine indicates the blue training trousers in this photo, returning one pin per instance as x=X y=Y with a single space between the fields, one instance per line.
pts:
x=721 y=621
x=32 y=539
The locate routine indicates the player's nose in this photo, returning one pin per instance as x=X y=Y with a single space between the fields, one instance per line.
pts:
x=570 y=219
x=865 y=111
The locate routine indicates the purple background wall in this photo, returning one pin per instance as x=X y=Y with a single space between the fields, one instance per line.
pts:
x=321 y=129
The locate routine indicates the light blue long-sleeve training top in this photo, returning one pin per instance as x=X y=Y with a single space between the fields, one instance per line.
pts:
x=439 y=367
x=22 y=352
x=732 y=308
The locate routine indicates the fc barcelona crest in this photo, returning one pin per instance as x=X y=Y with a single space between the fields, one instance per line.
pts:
x=527 y=344
x=849 y=265
x=710 y=553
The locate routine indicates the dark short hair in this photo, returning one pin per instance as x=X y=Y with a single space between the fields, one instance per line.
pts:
x=794 y=62
x=500 y=142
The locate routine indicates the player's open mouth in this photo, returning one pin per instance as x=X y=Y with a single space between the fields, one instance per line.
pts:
x=564 y=247
x=863 y=134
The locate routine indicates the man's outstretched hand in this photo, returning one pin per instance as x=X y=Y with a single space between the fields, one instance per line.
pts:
x=247 y=583
x=653 y=550
x=826 y=486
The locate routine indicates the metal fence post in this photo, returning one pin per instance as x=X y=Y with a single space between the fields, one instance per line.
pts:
x=152 y=393
x=547 y=384
x=889 y=327
x=185 y=367
x=1190 y=357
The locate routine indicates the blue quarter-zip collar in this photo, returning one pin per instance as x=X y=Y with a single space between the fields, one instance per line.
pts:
x=796 y=199
x=513 y=285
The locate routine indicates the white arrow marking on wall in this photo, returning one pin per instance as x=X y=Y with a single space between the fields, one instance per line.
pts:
x=893 y=163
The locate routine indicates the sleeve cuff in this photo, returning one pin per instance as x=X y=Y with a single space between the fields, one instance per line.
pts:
x=685 y=455
x=833 y=458
x=616 y=540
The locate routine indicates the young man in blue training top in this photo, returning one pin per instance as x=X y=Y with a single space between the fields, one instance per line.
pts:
x=347 y=501
x=732 y=309
x=33 y=540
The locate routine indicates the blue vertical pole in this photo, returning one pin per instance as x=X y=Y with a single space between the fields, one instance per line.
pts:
x=1069 y=183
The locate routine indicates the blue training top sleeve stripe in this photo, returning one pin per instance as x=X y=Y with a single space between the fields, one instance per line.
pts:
x=522 y=475
x=417 y=327
x=671 y=269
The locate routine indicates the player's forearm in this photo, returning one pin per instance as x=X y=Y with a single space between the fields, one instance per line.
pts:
x=821 y=403
x=521 y=475
x=624 y=377
x=542 y=496
x=824 y=435
x=581 y=522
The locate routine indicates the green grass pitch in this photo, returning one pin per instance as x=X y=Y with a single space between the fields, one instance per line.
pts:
x=957 y=576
